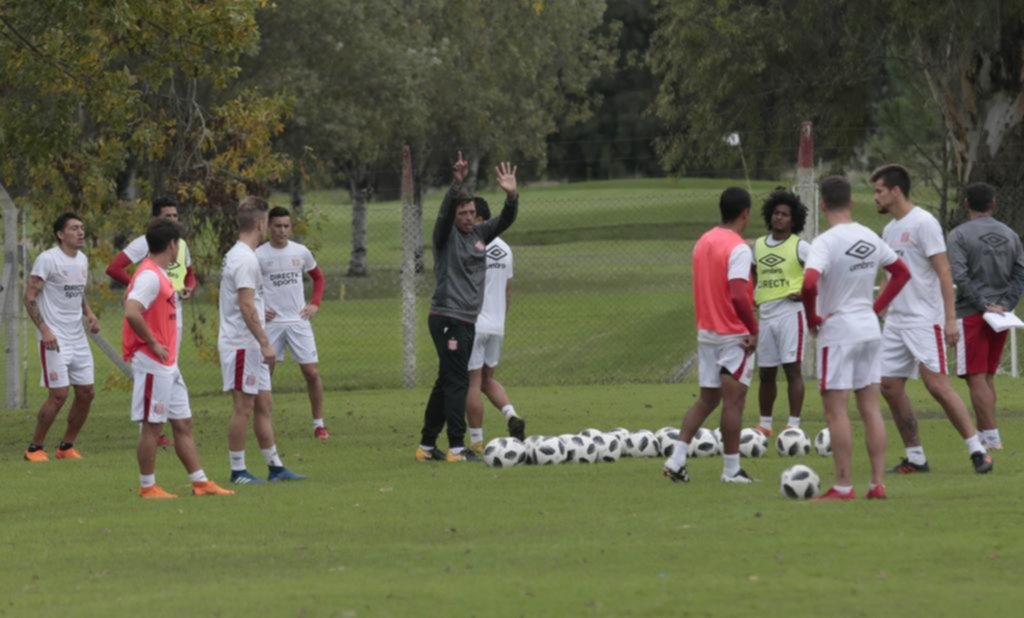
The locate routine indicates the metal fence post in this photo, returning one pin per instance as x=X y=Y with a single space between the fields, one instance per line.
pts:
x=10 y=304
x=408 y=272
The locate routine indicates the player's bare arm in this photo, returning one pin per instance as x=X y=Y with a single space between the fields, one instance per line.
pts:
x=90 y=317
x=133 y=314
x=31 y=301
x=247 y=306
x=940 y=262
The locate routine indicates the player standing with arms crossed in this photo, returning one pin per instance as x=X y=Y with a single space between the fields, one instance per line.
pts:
x=726 y=335
x=55 y=302
x=845 y=261
x=288 y=316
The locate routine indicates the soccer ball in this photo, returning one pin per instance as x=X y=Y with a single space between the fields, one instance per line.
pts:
x=642 y=443
x=667 y=438
x=703 y=444
x=531 y=444
x=609 y=447
x=799 y=482
x=570 y=446
x=823 y=442
x=621 y=433
x=752 y=443
x=792 y=442
x=586 y=450
x=590 y=433
x=504 y=453
x=549 y=450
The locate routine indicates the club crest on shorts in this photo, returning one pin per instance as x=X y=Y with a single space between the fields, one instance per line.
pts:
x=250 y=379
x=53 y=376
x=159 y=408
x=453 y=344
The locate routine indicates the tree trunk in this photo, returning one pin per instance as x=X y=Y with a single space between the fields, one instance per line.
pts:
x=474 y=171
x=10 y=303
x=295 y=190
x=358 y=187
x=419 y=169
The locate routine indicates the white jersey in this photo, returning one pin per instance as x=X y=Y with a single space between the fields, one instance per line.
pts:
x=241 y=270
x=848 y=257
x=491 y=320
x=783 y=307
x=915 y=238
x=138 y=249
x=60 y=303
x=282 y=279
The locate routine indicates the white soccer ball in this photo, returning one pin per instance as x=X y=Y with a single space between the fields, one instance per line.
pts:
x=823 y=442
x=752 y=443
x=609 y=447
x=570 y=446
x=531 y=443
x=792 y=442
x=504 y=453
x=590 y=433
x=621 y=433
x=718 y=436
x=550 y=450
x=586 y=450
x=642 y=443
x=799 y=482
x=703 y=444
x=667 y=438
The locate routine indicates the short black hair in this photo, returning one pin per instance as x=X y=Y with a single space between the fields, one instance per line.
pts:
x=483 y=209
x=732 y=203
x=58 y=225
x=836 y=192
x=893 y=175
x=278 y=211
x=797 y=210
x=160 y=232
x=159 y=203
x=980 y=197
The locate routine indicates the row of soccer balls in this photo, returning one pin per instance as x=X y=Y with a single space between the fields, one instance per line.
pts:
x=593 y=445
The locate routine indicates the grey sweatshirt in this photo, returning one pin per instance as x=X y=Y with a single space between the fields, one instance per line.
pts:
x=460 y=262
x=987 y=262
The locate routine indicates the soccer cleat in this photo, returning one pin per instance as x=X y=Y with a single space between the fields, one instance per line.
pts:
x=321 y=433
x=832 y=494
x=209 y=488
x=467 y=455
x=155 y=492
x=740 y=477
x=517 y=428
x=434 y=454
x=477 y=447
x=68 y=453
x=763 y=431
x=36 y=456
x=982 y=462
x=163 y=441
x=877 y=493
x=242 y=477
x=908 y=467
x=676 y=476
x=280 y=473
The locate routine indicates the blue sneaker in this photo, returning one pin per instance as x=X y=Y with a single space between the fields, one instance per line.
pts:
x=242 y=477
x=280 y=473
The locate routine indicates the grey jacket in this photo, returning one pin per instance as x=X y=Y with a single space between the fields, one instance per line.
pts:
x=987 y=262
x=460 y=262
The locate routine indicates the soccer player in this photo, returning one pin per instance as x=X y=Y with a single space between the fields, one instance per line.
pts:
x=779 y=260
x=459 y=269
x=844 y=261
x=245 y=350
x=726 y=335
x=149 y=341
x=288 y=315
x=179 y=271
x=55 y=302
x=490 y=333
x=987 y=261
x=920 y=323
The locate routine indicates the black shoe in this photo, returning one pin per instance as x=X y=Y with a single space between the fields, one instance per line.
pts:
x=677 y=476
x=466 y=456
x=982 y=462
x=517 y=428
x=908 y=467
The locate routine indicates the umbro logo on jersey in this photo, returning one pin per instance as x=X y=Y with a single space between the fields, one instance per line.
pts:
x=496 y=253
x=993 y=240
x=861 y=250
x=771 y=260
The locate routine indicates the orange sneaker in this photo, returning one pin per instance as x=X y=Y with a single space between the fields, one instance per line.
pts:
x=36 y=456
x=69 y=453
x=764 y=432
x=154 y=492
x=209 y=488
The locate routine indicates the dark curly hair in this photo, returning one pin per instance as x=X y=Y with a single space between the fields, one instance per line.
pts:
x=796 y=208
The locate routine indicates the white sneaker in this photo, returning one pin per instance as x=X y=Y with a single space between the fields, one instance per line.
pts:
x=992 y=445
x=739 y=477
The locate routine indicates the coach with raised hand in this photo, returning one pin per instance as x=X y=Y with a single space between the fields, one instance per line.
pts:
x=459 y=269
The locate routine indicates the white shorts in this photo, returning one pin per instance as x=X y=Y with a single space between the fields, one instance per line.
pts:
x=849 y=367
x=486 y=351
x=297 y=336
x=244 y=370
x=71 y=364
x=728 y=356
x=781 y=340
x=904 y=349
x=159 y=396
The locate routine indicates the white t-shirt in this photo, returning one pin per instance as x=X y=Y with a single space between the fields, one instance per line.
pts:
x=60 y=303
x=915 y=238
x=848 y=257
x=783 y=307
x=491 y=320
x=740 y=260
x=282 y=279
x=138 y=249
x=241 y=270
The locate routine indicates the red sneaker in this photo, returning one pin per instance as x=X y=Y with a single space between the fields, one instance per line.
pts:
x=877 y=493
x=162 y=440
x=321 y=433
x=832 y=494
x=764 y=432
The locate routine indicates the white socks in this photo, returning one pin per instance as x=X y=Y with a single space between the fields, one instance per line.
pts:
x=731 y=464
x=678 y=458
x=147 y=480
x=990 y=436
x=766 y=422
x=198 y=476
x=476 y=434
x=794 y=421
x=270 y=456
x=508 y=411
x=974 y=445
x=318 y=422
x=915 y=454
x=237 y=460
x=843 y=489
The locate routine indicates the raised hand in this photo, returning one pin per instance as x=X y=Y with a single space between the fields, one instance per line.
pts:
x=506 y=176
x=460 y=169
